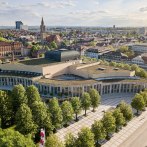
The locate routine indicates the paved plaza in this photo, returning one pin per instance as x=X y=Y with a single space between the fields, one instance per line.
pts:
x=118 y=140
x=108 y=101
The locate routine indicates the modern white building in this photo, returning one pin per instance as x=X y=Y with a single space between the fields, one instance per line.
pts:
x=141 y=48
x=138 y=60
x=69 y=78
x=96 y=52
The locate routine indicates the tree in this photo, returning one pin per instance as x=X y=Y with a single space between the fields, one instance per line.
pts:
x=98 y=131
x=85 y=101
x=6 y=112
x=56 y=113
x=113 y=64
x=53 y=141
x=134 y=66
x=144 y=95
x=32 y=95
x=11 y=138
x=119 y=118
x=109 y=123
x=24 y=121
x=126 y=110
x=85 y=138
x=126 y=67
x=138 y=102
x=18 y=97
x=67 y=112
x=95 y=98
x=70 y=140
x=53 y=45
x=76 y=104
x=143 y=73
x=41 y=116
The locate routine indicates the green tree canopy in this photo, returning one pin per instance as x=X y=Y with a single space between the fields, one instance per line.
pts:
x=76 y=104
x=41 y=116
x=35 y=47
x=67 y=112
x=86 y=101
x=144 y=95
x=95 y=98
x=24 y=121
x=119 y=118
x=85 y=138
x=98 y=131
x=32 y=94
x=109 y=123
x=11 y=138
x=53 y=45
x=113 y=64
x=70 y=140
x=138 y=102
x=53 y=141
x=126 y=110
x=134 y=66
x=18 y=97
x=6 y=112
x=56 y=112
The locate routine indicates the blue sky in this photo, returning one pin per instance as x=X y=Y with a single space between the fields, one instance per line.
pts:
x=75 y=12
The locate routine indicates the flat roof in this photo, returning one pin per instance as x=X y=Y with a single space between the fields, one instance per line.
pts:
x=100 y=69
x=66 y=82
x=83 y=82
x=38 y=62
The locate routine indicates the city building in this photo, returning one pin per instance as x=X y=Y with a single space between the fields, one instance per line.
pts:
x=56 y=38
x=8 y=48
x=114 y=55
x=69 y=78
x=96 y=52
x=18 y=25
x=140 y=48
x=140 y=60
x=62 y=55
x=42 y=31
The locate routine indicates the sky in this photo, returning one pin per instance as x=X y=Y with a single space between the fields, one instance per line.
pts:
x=74 y=12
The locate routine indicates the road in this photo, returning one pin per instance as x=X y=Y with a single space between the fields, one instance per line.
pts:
x=138 y=138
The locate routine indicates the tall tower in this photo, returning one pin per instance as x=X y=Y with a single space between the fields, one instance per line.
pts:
x=42 y=26
x=42 y=31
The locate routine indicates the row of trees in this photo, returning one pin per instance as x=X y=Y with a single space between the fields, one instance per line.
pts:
x=24 y=109
x=138 y=71
x=64 y=114
x=100 y=130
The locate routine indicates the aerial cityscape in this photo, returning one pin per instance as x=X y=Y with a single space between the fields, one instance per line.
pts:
x=73 y=73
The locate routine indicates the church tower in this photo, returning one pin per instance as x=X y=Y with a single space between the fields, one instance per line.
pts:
x=42 y=31
x=42 y=26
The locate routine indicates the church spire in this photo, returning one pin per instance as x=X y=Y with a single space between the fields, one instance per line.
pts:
x=42 y=26
x=42 y=21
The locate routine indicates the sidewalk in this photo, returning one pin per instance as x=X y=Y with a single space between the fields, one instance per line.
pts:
x=127 y=131
x=108 y=101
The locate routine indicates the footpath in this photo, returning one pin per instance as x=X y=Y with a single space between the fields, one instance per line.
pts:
x=129 y=133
